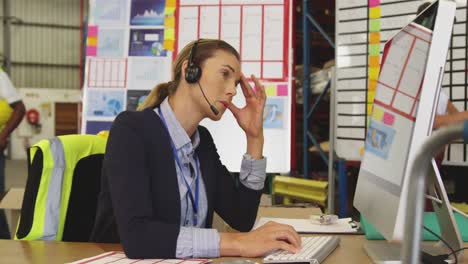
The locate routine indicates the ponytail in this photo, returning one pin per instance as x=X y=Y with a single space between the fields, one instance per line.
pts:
x=157 y=95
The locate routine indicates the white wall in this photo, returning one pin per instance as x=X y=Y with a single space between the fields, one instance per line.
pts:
x=43 y=100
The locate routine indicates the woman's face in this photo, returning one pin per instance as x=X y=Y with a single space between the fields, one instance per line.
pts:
x=219 y=80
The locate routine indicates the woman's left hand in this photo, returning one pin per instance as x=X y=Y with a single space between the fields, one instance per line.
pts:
x=250 y=117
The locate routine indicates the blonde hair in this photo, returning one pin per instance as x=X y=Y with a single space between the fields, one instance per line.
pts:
x=205 y=49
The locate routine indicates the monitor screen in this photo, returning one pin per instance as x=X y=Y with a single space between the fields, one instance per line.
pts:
x=393 y=133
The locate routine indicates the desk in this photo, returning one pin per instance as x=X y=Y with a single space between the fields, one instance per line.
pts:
x=12 y=252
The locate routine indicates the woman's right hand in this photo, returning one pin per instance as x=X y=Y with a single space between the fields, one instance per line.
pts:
x=257 y=243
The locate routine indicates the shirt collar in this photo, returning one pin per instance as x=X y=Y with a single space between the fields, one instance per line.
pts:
x=178 y=134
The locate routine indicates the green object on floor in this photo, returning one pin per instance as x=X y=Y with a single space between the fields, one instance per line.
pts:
x=430 y=221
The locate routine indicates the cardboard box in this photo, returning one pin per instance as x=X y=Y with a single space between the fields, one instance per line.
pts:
x=11 y=203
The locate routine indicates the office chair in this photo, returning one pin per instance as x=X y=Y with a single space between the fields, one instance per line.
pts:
x=60 y=199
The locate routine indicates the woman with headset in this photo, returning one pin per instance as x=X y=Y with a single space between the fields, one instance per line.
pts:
x=162 y=176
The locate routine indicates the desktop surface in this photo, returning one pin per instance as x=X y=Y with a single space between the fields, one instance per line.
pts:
x=350 y=250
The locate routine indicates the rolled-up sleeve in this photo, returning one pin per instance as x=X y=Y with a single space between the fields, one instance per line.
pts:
x=197 y=243
x=253 y=172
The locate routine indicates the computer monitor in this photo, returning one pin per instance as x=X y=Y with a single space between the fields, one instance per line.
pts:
x=404 y=107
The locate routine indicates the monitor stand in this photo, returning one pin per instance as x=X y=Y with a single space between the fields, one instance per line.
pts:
x=387 y=252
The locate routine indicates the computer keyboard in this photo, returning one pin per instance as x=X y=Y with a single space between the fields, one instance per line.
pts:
x=314 y=250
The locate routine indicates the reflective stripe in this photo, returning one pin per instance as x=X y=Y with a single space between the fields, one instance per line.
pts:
x=54 y=191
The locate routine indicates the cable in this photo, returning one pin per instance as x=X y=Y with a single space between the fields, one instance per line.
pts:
x=445 y=242
x=458 y=250
x=440 y=202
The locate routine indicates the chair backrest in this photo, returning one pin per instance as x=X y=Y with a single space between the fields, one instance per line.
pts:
x=64 y=177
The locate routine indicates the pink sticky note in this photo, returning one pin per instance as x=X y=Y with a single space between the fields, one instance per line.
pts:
x=91 y=51
x=388 y=119
x=373 y=3
x=92 y=31
x=282 y=90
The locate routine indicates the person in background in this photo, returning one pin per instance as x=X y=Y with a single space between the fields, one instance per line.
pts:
x=162 y=175
x=12 y=112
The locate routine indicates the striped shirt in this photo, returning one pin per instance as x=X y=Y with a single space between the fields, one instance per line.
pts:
x=197 y=241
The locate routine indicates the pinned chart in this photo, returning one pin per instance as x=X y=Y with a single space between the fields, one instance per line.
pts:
x=132 y=44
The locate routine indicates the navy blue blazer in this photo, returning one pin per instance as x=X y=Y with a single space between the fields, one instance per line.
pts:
x=139 y=201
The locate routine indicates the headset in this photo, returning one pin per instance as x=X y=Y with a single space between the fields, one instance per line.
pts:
x=193 y=74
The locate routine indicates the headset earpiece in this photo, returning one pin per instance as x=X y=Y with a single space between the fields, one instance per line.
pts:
x=193 y=71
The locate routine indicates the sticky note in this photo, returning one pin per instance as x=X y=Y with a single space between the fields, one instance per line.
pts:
x=270 y=90
x=169 y=11
x=91 y=51
x=369 y=111
x=282 y=90
x=374 y=49
x=169 y=34
x=373 y=73
x=373 y=3
x=374 y=25
x=374 y=12
x=168 y=44
x=374 y=61
x=370 y=96
x=170 y=3
x=91 y=41
x=378 y=114
x=169 y=21
x=92 y=31
x=361 y=151
x=374 y=37
x=388 y=118
x=372 y=85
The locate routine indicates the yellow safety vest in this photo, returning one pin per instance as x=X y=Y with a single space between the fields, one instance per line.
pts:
x=60 y=156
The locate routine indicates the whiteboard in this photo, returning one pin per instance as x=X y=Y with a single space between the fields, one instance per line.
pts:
x=354 y=22
x=131 y=44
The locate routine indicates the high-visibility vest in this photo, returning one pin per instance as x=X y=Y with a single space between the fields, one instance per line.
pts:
x=60 y=156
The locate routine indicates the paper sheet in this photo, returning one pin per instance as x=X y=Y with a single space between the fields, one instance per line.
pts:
x=306 y=226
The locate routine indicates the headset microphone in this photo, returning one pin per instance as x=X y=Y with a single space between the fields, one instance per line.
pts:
x=212 y=107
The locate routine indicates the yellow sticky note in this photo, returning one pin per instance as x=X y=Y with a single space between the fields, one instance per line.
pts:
x=370 y=96
x=369 y=110
x=169 y=34
x=373 y=73
x=361 y=151
x=270 y=90
x=170 y=3
x=169 y=11
x=374 y=38
x=91 y=41
x=168 y=44
x=374 y=61
x=169 y=22
x=372 y=85
x=374 y=12
x=378 y=114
